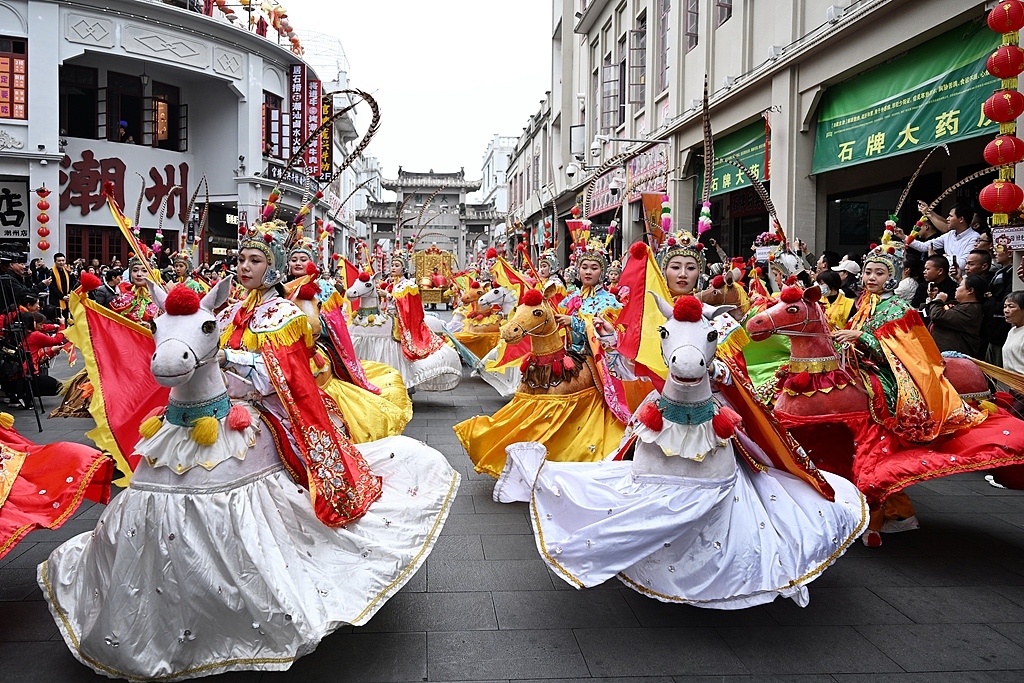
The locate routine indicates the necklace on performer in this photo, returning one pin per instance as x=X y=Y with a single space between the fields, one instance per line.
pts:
x=686 y=413
x=185 y=414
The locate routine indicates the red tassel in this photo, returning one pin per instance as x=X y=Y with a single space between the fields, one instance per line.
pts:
x=800 y=382
x=726 y=422
x=651 y=417
x=525 y=365
x=239 y=418
x=556 y=368
x=638 y=250
x=568 y=364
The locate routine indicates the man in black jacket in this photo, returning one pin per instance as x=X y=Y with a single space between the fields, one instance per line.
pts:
x=936 y=276
x=106 y=292
x=996 y=328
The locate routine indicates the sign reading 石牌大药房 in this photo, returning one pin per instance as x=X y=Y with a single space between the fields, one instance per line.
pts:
x=928 y=95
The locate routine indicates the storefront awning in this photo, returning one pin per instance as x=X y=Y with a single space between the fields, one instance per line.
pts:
x=748 y=144
x=929 y=95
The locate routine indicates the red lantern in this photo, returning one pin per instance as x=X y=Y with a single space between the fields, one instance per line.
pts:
x=1005 y=149
x=1006 y=62
x=43 y=232
x=43 y=245
x=43 y=218
x=1001 y=197
x=1007 y=16
x=1004 y=105
x=42 y=204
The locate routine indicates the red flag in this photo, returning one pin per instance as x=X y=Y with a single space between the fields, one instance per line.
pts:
x=351 y=273
x=116 y=352
x=507 y=276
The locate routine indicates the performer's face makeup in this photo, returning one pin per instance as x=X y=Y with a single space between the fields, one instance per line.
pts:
x=396 y=269
x=543 y=268
x=874 y=277
x=138 y=275
x=180 y=268
x=590 y=273
x=682 y=274
x=252 y=266
x=297 y=263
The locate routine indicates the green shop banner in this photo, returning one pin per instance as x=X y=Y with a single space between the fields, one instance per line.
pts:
x=926 y=96
x=748 y=145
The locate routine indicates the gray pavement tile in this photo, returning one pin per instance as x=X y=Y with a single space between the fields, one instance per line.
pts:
x=971 y=545
x=13 y=553
x=1014 y=632
x=930 y=677
x=562 y=585
x=807 y=650
x=965 y=523
x=656 y=652
x=1016 y=518
x=478 y=655
x=462 y=505
x=26 y=620
x=359 y=657
x=19 y=584
x=937 y=571
x=617 y=679
x=477 y=524
x=1013 y=593
x=485 y=504
x=89 y=510
x=864 y=571
x=486 y=575
x=950 y=604
x=35 y=551
x=458 y=548
x=970 y=503
x=764 y=678
x=42 y=662
x=656 y=614
x=434 y=612
x=418 y=582
x=837 y=606
x=473 y=486
x=562 y=609
x=510 y=547
x=945 y=647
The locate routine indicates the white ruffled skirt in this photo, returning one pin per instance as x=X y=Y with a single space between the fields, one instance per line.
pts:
x=229 y=569
x=506 y=382
x=440 y=371
x=726 y=543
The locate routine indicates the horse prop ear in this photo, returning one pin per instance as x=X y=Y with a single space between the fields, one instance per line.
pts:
x=550 y=290
x=812 y=294
x=217 y=295
x=663 y=306
x=712 y=312
x=158 y=293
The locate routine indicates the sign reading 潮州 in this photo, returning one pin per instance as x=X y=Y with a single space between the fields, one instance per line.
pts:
x=929 y=95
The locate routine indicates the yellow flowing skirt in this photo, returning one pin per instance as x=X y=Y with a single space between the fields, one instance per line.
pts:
x=371 y=417
x=575 y=427
x=479 y=343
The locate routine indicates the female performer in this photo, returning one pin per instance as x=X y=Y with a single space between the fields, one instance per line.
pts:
x=136 y=303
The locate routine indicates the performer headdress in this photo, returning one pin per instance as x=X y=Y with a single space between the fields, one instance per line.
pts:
x=550 y=257
x=681 y=244
x=594 y=250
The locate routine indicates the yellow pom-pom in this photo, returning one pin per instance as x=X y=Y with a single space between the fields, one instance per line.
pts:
x=6 y=420
x=989 y=406
x=205 y=431
x=150 y=426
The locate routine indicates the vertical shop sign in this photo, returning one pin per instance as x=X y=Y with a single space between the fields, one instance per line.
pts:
x=312 y=111
x=296 y=105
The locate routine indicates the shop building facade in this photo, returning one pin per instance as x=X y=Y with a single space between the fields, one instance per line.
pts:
x=832 y=103
x=151 y=98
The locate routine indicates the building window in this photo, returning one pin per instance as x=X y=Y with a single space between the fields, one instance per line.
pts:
x=78 y=89
x=692 y=22
x=272 y=125
x=623 y=83
x=724 y=11
x=170 y=118
x=13 y=78
x=664 y=6
x=536 y=173
x=609 y=94
x=638 y=62
x=124 y=107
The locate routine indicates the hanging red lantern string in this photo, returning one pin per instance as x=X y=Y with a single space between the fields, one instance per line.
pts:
x=42 y=218
x=1003 y=197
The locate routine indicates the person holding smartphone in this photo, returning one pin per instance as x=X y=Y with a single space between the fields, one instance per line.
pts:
x=956 y=243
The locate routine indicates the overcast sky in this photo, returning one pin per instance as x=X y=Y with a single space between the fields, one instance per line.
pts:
x=447 y=74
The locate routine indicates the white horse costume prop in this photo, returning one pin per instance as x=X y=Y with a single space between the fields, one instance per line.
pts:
x=372 y=332
x=506 y=382
x=684 y=521
x=213 y=559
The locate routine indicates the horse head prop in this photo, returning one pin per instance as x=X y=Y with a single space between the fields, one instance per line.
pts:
x=534 y=317
x=187 y=338
x=364 y=291
x=688 y=344
x=499 y=296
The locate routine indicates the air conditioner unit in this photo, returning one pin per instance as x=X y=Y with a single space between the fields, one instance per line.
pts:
x=833 y=14
x=775 y=51
x=695 y=104
x=729 y=81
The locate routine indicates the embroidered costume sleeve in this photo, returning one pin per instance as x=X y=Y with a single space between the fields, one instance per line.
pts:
x=887 y=309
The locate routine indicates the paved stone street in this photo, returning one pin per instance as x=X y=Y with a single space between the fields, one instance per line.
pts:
x=944 y=604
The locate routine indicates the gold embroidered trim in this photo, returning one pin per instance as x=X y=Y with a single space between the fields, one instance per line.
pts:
x=813 y=365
